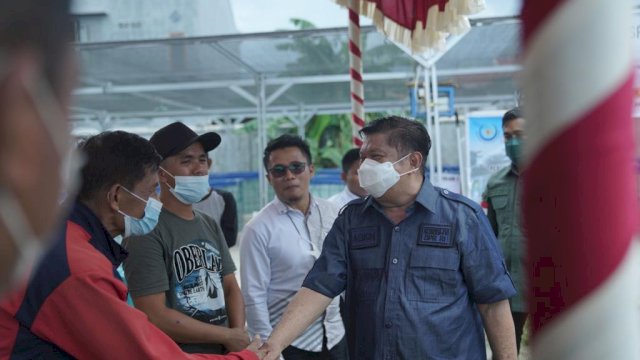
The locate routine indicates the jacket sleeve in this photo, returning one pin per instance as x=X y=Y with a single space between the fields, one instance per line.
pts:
x=86 y=317
x=491 y=215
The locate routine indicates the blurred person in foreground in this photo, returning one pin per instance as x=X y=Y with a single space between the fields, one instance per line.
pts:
x=37 y=75
x=74 y=304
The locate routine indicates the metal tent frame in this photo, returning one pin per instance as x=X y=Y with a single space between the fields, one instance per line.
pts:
x=295 y=74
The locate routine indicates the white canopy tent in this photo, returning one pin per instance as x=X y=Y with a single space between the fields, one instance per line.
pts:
x=296 y=74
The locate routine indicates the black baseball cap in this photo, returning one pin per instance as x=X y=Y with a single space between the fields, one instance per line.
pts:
x=176 y=137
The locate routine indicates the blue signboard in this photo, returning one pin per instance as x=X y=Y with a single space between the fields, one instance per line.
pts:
x=485 y=153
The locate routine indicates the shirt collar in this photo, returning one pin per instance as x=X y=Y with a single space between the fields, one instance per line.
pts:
x=100 y=237
x=284 y=208
x=427 y=195
x=350 y=194
x=514 y=170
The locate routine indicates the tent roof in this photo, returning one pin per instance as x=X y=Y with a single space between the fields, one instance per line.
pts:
x=219 y=76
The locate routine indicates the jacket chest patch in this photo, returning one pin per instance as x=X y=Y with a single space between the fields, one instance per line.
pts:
x=436 y=235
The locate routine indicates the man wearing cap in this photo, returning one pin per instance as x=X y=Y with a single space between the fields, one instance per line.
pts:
x=181 y=274
x=74 y=304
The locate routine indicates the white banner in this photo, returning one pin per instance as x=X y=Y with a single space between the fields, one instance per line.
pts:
x=485 y=154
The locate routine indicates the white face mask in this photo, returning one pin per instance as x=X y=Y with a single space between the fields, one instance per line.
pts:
x=377 y=178
x=190 y=189
x=12 y=214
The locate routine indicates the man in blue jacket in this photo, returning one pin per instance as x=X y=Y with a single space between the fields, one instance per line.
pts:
x=421 y=268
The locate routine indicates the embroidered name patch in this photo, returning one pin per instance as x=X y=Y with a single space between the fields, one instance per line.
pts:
x=436 y=235
x=364 y=237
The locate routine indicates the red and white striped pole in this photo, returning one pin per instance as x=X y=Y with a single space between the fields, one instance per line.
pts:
x=355 y=64
x=579 y=200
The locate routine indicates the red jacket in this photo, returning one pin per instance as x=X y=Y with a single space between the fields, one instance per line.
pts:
x=74 y=305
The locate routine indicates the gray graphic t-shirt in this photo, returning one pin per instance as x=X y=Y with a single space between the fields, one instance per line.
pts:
x=187 y=260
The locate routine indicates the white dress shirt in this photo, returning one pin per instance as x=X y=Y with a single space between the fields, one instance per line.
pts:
x=343 y=197
x=278 y=247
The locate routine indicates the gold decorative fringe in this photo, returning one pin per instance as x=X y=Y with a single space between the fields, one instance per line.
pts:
x=429 y=36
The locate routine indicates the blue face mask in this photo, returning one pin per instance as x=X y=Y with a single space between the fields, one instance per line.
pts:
x=190 y=189
x=135 y=226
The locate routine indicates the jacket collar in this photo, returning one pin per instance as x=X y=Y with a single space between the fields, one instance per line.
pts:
x=100 y=237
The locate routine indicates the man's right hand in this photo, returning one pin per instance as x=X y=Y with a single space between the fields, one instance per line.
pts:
x=256 y=347
x=236 y=340
x=271 y=351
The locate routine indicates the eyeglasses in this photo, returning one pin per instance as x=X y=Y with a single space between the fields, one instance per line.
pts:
x=280 y=170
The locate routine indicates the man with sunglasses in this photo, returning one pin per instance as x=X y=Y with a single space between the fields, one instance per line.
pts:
x=421 y=268
x=181 y=274
x=74 y=304
x=279 y=246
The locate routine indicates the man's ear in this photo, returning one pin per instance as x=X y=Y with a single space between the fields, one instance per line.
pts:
x=343 y=176
x=112 y=197
x=312 y=170
x=416 y=159
x=163 y=177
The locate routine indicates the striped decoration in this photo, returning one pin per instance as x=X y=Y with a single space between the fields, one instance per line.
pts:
x=420 y=25
x=355 y=69
x=579 y=203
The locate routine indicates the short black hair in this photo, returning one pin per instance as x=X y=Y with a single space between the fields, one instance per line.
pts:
x=403 y=134
x=511 y=115
x=45 y=26
x=349 y=158
x=285 y=141
x=115 y=157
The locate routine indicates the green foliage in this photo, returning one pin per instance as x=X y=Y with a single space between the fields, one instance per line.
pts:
x=329 y=136
x=302 y=24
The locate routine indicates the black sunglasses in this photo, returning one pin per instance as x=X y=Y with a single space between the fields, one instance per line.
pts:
x=280 y=170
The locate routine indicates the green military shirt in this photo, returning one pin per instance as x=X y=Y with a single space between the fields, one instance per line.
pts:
x=503 y=197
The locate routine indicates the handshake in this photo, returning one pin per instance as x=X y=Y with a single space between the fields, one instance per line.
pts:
x=264 y=350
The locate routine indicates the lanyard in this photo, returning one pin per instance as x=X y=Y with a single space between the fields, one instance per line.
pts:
x=314 y=249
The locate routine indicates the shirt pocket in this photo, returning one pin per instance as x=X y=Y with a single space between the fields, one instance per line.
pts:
x=504 y=215
x=499 y=201
x=368 y=270
x=433 y=274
